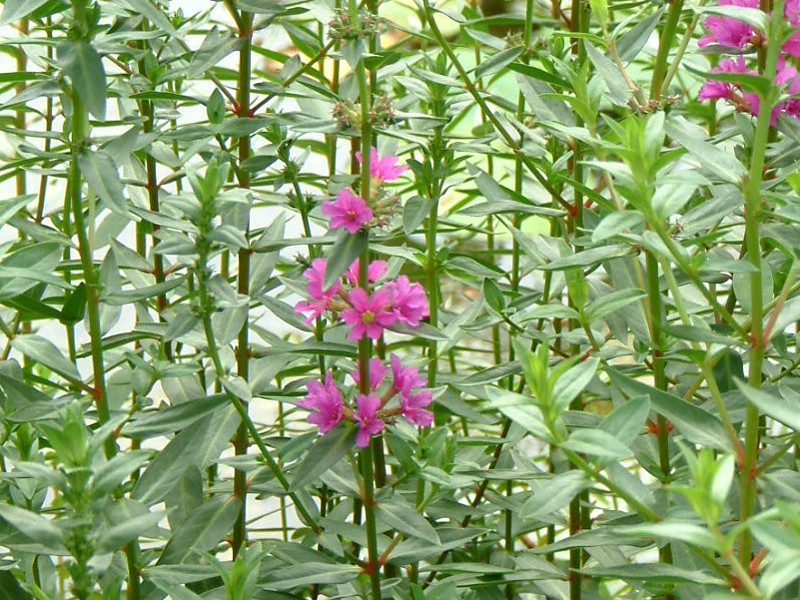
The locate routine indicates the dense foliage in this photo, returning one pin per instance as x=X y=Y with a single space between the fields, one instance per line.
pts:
x=402 y=299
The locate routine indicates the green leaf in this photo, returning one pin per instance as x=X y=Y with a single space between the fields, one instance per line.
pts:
x=778 y=408
x=327 y=451
x=616 y=223
x=599 y=10
x=75 y=305
x=400 y=515
x=101 y=174
x=609 y=303
x=694 y=423
x=198 y=446
x=691 y=533
x=82 y=64
x=344 y=251
x=10 y=589
x=587 y=258
x=728 y=369
x=618 y=90
x=312 y=573
x=214 y=48
x=111 y=474
x=46 y=353
x=493 y=296
x=10 y=207
x=596 y=442
x=626 y=421
x=658 y=572
x=152 y=423
x=709 y=157
x=555 y=494
x=631 y=43
x=520 y=409
x=14 y=10
x=536 y=73
x=202 y=531
x=121 y=533
x=497 y=62
x=34 y=526
x=414 y=212
x=573 y=382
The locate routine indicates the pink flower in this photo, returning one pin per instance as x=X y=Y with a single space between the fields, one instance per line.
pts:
x=722 y=89
x=348 y=211
x=369 y=314
x=792 y=105
x=404 y=378
x=315 y=274
x=368 y=424
x=384 y=168
x=413 y=408
x=375 y=271
x=409 y=301
x=377 y=372
x=728 y=31
x=791 y=10
x=326 y=400
x=412 y=404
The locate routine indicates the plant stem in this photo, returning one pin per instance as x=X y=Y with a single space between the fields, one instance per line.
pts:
x=656 y=309
x=364 y=344
x=664 y=43
x=78 y=141
x=752 y=193
x=241 y=442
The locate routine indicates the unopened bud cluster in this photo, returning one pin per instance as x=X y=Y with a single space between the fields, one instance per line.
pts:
x=341 y=26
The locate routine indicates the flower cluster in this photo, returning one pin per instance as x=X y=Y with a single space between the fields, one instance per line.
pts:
x=352 y=212
x=348 y=113
x=366 y=314
x=733 y=33
x=341 y=26
x=375 y=409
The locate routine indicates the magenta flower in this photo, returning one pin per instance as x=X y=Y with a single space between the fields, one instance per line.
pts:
x=728 y=31
x=409 y=301
x=792 y=105
x=375 y=271
x=412 y=406
x=348 y=211
x=368 y=423
x=721 y=89
x=326 y=400
x=385 y=168
x=322 y=298
x=368 y=314
x=377 y=373
x=404 y=378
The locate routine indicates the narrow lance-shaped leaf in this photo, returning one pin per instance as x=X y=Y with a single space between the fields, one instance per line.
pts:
x=342 y=254
x=82 y=64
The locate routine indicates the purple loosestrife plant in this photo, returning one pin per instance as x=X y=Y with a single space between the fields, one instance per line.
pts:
x=367 y=314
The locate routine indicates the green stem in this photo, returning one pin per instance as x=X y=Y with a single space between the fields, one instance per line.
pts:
x=664 y=44
x=241 y=441
x=656 y=309
x=79 y=135
x=752 y=194
x=364 y=344
x=687 y=37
